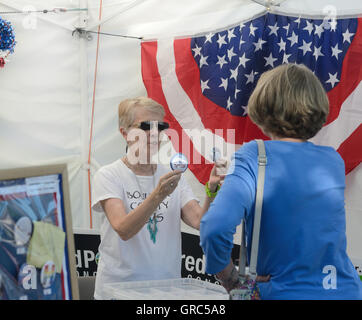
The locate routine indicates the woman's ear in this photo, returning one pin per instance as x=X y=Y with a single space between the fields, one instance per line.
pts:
x=123 y=133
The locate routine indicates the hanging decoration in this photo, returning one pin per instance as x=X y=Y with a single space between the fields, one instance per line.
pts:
x=7 y=41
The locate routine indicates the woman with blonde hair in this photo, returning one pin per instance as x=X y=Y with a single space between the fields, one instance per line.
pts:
x=142 y=203
x=302 y=248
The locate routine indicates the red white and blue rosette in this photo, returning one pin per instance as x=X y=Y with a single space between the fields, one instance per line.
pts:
x=7 y=41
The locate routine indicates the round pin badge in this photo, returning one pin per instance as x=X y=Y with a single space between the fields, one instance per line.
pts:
x=47 y=274
x=179 y=162
x=22 y=231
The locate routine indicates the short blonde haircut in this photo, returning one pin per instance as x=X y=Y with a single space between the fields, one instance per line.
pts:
x=127 y=108
x=289 y=102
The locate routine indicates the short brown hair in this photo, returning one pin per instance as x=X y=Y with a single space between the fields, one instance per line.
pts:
x=289 y=102
x=126 y=109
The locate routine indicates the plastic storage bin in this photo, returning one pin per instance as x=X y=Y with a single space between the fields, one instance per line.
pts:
x=173 y=289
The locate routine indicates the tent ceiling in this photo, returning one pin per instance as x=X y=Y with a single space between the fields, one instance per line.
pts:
x=175 y=18
x=155 y=18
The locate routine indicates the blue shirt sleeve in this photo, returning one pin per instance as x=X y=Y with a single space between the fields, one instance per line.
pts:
x=233 y=202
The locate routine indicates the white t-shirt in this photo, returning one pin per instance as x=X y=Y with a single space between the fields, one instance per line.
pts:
x=139 y=258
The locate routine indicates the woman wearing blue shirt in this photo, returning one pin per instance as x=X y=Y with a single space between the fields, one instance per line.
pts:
x=302 y=248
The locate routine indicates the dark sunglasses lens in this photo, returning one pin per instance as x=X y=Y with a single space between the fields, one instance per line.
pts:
x=163 y=126
x=146 y=125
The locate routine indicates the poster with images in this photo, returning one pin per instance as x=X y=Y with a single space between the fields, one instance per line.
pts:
x=36 y=238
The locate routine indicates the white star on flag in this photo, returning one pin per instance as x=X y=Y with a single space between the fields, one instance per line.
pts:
x=209 y=37
x=282 y=45
x=221 y=40
x=234 y=73
x=336 y=51
x=306 y=47
x=317 y=53
x=221 y=61
x=231 y=34
x=252 y=29
x=270 y=60
x=347 y=36
x=274 y=29
x=231 y=54
x=332 y=79
x=241 y=43
x=259 y=44
x=197 y=51
x=229 y=104
x=287 y=28
x=333 y=24
x=286 y=58
x=203 y=61
x=243 y=60
x=250 y=77
x=236 y=92
x=204 y=85
x=319 y=29
x=224 y=83
x=293 y=39
x=309 y=27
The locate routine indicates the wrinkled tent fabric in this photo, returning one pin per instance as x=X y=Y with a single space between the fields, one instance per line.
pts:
x=47 y=87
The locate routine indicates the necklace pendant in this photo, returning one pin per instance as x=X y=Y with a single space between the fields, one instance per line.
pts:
x=152 y=228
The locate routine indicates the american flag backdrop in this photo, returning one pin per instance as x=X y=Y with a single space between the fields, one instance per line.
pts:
x=205 y=82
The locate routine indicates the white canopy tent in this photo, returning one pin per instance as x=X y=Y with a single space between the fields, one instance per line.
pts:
x=56 y=77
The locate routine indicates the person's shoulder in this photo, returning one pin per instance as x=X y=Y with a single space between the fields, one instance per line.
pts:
x=110 y=169
x=330 y=154
x=327 y=150
x=248 y=149
x=246 y=154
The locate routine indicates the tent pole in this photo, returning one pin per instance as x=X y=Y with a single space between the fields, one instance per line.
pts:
x=83 y=63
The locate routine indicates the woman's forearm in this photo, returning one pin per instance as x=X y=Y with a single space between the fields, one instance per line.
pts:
x=134 y=221
x=228 y=277
x=207 y=202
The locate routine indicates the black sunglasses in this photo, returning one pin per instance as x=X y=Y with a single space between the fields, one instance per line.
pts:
x=147 y=125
